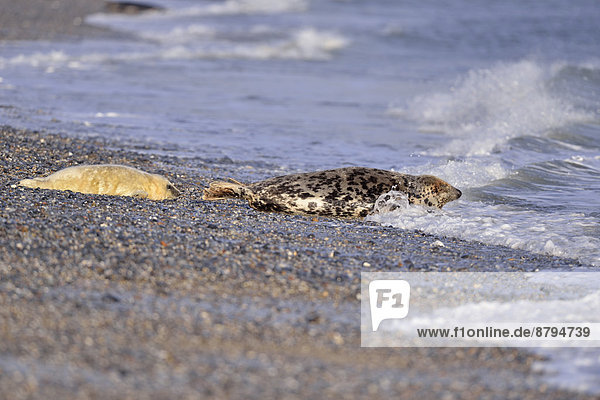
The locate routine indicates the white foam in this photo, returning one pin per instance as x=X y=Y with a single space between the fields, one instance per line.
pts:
x=553 y=234
x=221 y=8
x=37 y=59
x=109 y=114
x=486 y=108
x=473 y=172
x=581 y=376
x=499 y=312
x=307 y=44
x=391 y=201
x=232 y=7
x=180 y=34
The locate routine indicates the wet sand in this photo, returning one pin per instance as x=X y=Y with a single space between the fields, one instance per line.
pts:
x=112 y=297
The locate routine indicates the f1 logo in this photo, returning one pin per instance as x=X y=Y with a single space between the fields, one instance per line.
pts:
x=389 y=299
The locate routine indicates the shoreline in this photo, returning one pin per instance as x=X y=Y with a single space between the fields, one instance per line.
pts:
x=183 y=298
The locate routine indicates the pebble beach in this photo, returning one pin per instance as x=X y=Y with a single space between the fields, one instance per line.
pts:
x=116 y=297
x=105 y=297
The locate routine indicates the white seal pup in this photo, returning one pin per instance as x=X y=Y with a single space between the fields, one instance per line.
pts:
x=116 y=180
x=345 y=192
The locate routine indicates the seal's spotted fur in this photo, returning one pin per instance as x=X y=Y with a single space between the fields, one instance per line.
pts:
x=345 y=192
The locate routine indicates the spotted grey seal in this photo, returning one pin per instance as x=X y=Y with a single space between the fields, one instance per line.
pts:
x=345 y=192
x=118 y=180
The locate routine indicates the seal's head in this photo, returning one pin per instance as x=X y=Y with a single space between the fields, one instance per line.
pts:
x=166 y=191
x=154 y=187
x=431 y=191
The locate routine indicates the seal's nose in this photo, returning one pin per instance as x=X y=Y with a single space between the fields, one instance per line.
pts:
x=458 y=193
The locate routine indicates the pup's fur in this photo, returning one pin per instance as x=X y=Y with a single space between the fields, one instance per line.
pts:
x=117 y=180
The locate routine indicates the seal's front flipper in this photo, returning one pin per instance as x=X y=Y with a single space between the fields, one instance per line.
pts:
x=225 y=190
x=391 y=201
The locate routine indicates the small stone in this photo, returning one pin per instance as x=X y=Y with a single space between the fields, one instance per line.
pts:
x=313 y=317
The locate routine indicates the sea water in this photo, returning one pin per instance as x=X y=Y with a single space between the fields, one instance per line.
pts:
x=499 y=98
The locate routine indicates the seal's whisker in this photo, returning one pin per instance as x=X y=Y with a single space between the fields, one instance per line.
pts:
x=235 y=181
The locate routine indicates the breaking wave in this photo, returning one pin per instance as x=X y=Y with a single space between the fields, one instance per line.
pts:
x=305 y=44
x=487 y=107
